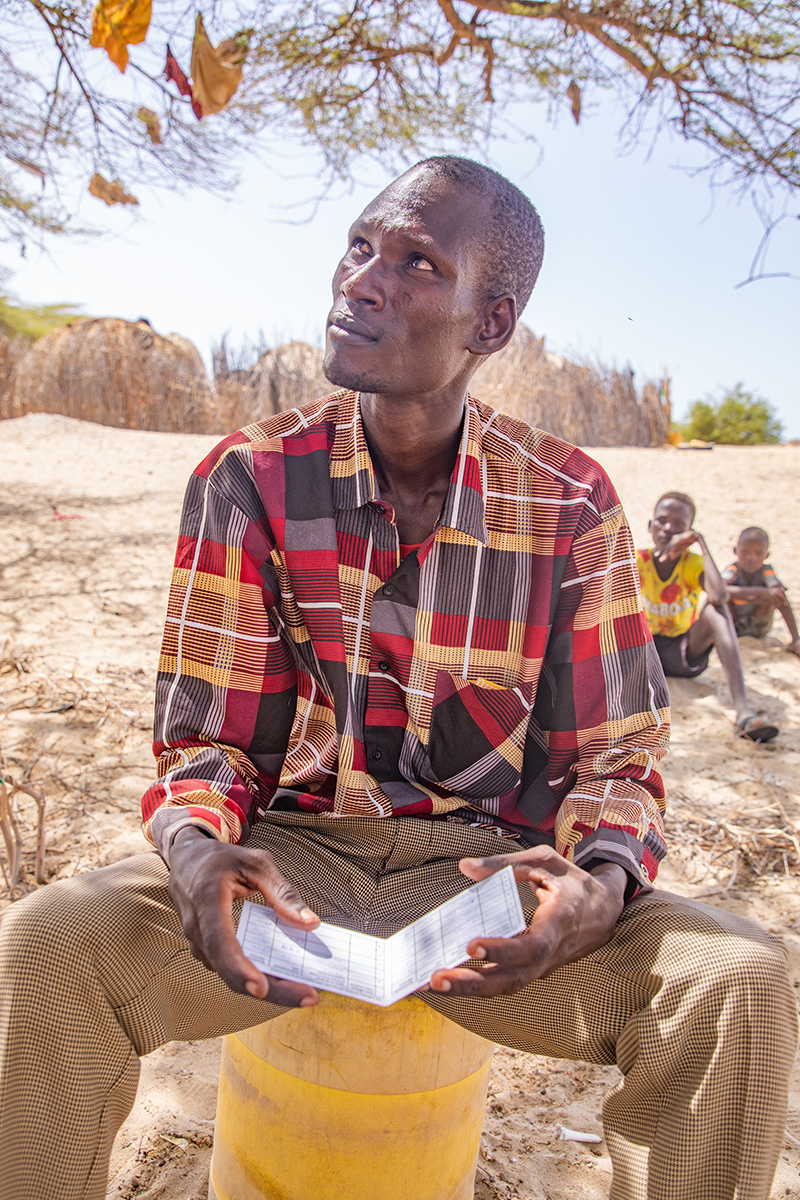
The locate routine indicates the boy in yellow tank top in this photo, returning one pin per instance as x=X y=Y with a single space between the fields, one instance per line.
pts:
x=684 y=626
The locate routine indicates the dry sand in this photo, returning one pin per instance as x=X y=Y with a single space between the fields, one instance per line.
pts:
x=81 y=605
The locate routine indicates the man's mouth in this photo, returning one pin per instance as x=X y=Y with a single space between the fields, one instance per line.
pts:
x=343 y=327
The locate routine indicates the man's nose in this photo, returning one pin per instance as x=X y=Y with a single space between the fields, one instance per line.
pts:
x=365 y=283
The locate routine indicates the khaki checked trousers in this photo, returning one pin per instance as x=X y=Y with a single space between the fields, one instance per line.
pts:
x=693 y=1005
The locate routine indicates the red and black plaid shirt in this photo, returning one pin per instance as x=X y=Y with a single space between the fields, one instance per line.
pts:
x=502 y=674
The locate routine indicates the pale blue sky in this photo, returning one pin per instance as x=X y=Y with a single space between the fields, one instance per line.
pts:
x=641 y=263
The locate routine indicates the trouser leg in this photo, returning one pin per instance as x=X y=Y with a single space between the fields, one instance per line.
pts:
x=695 y=1007
x=95 y=971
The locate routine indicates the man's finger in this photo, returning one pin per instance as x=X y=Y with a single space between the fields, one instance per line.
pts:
x=527 y=950
x=544 y=861
x=225 y=956
x=482 y=868
x=469 y=981
x=263 y=876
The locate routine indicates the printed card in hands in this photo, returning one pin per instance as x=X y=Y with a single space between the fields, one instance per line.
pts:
x=382 y=970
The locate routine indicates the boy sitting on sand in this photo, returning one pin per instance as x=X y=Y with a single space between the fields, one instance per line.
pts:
x=755 y=590
x=684 y=628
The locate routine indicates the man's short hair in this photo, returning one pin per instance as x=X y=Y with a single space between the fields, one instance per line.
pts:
x=684 y=499
x=751 y=533
x=513 y=243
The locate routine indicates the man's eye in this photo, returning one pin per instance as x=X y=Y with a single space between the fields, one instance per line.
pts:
x=421 y=264
x=361 y=246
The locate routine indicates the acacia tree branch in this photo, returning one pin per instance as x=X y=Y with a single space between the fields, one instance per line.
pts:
x=463 y=32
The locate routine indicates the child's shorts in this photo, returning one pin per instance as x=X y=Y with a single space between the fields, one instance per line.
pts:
x=750 y=624
x=674 y=655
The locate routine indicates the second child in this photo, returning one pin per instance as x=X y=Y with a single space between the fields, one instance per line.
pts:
x=755 y=590
x=684 y=626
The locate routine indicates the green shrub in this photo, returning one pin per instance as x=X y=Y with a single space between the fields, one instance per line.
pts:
x=31 y=321
x=738 y=418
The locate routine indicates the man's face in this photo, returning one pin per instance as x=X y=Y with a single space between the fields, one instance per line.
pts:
x=407 y=296
x=670 y=517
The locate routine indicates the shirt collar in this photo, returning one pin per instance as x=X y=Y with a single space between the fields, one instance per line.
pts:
x=353 y=479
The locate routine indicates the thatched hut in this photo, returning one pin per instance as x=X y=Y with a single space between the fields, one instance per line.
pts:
x=115 y=372
x=12 y=350
x=282 y=378
x=590 y=405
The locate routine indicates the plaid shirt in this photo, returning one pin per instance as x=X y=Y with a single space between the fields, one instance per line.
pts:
x=502 y=674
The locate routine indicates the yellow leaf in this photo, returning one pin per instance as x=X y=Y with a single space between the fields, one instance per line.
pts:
x=117 y=24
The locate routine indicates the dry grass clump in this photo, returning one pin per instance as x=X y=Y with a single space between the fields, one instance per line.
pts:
x=61 y=762
x=590 y=405
x=760 y=841
x=114 y=372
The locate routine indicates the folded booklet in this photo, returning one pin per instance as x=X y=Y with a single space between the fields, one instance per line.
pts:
x=382 y=970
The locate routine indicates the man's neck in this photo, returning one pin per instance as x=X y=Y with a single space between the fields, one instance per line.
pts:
x=414 y=443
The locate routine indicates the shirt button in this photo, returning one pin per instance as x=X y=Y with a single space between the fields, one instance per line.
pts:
x=383 y=665
x=388 y=590
x=378 y=508
x=376 y=754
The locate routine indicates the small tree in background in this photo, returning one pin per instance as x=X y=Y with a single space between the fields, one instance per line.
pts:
x=738 y=418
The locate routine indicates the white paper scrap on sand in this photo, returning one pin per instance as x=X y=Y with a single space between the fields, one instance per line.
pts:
x=382 y=970
x=574 y=1135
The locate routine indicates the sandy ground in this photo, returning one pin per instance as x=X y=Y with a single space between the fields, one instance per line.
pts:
x=81 y=605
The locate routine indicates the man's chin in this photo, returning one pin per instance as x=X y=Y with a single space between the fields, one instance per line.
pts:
x=344 y=375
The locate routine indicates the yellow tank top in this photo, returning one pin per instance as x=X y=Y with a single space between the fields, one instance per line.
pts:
x=670 y=605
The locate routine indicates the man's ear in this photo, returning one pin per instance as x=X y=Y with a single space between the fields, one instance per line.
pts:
x=649 y=525
x=496 y=325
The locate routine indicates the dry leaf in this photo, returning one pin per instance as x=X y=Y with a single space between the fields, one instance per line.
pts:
x=173 y=72
x=574 y=93
x=112 y=193
x=151 y=122
x=216 y=71
x=117 y=24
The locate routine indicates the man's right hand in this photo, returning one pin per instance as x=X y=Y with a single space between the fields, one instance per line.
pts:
x=205 y=877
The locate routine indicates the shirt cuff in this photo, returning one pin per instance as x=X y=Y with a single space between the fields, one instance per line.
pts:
x=638 y=859
x=166 y=823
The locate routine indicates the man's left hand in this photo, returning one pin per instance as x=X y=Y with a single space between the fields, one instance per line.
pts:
x=577 y=913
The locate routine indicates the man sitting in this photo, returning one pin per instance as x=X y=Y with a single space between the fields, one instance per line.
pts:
x=403 y=649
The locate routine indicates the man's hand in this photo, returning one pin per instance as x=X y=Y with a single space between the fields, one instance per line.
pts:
x=205 y=877
x=577 y=913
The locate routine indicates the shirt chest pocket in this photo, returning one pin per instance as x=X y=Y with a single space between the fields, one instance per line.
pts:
x=477 y=736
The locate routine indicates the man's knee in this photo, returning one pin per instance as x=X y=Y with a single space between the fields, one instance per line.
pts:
x=714 y=961
x=94 y=918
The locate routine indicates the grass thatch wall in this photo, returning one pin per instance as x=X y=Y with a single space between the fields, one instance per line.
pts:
x=285 y=377
x=122 y=373
x=12 y=349
x=115 y=372
x=590 y=405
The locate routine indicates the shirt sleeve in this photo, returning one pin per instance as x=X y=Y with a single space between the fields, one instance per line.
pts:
x=770 y=578
x=609 y=720
x=223 y=666
x=731 y=574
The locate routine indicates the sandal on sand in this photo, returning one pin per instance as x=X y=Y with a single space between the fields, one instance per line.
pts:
x=756 y=729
